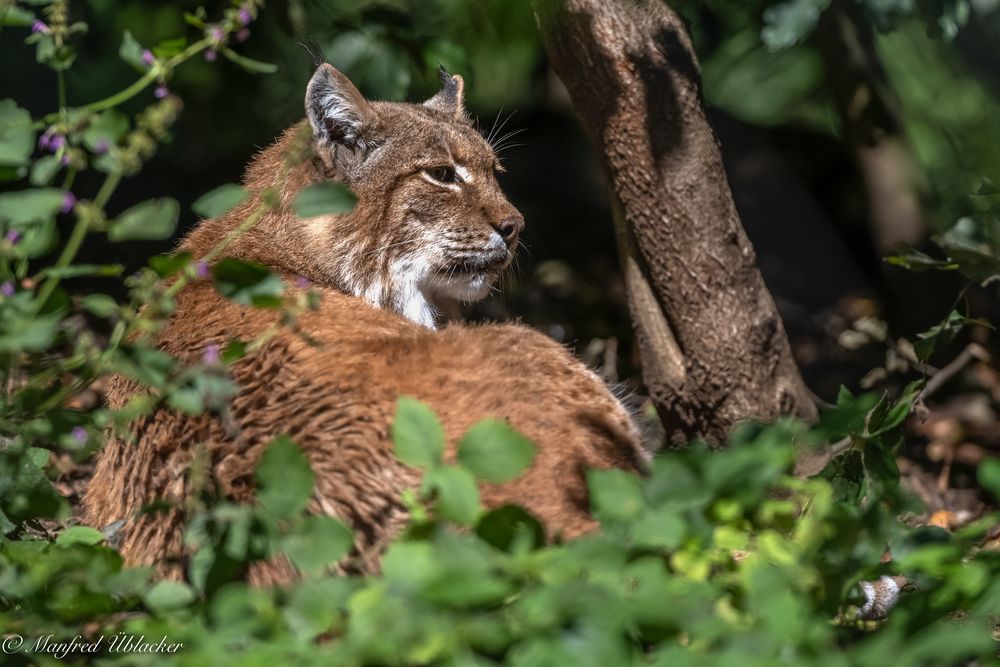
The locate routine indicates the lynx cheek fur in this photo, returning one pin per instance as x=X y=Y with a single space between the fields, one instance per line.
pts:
x=431 y=224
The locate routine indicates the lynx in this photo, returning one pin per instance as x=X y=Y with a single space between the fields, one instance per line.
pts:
x=431 y=225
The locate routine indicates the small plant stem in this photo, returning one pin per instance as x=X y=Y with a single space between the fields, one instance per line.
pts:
x=75 y=240
x=61 y=79
x=233 y=234
x=141 y=83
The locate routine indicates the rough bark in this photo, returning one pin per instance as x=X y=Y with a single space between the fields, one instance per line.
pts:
x=713 y=348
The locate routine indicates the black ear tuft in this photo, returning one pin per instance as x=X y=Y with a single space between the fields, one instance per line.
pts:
x=337 y=111
x=450 y=99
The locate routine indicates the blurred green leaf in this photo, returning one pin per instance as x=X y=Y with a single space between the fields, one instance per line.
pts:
x=506 y=526
x=167 y=596
x=494 y=451
x=105 y=131
x=17 y=138
x=44 y=169
x=25 y=206
x=615 y=494
x=417 y=433
x=131 y=52
x=789 y=22
x=284 y=478
x=220 y=201
x=989 y=476
x=317 y=543
x=153 y=220
x=974 y=244
x=323 y=199
x=456 y=492
x=79 y=535
x=914 y=260
x=15 y=17
x=169 y=265
x=100 y=305
x=248 y=284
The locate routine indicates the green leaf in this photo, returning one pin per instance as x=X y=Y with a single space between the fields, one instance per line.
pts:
x=508 y=525
x=661 y=528
x=15 y=17
x=22 y=333
x=789 y=22
x=615 y=494
x=219 y=201
x=106 y=130
x=456 y=491
x=168 y=48
x=989 y=476
x=249 y=64
x=167 y=596
x=100 y=305
x=494 y=451
x=17 y=138
x=247 y=284
x=168 y=265
x=417 y=433
x=284 y=478
x=131 y=52
x=974 y=244
x=887 y=415
x=915 y=260
x=152 y=220
x=323 y=199
x=317 y=544
x=79 y=535
x=44 y=170
x=31 y=205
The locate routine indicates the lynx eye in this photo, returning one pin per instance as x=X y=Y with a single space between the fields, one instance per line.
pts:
x=443 y=174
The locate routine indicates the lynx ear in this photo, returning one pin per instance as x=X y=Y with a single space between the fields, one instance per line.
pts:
x=451 y=98
x=337 y=111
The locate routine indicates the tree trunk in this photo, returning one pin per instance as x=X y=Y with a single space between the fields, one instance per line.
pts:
x=713 y=348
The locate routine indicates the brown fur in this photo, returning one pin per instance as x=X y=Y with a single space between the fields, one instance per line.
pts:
x=335 y=395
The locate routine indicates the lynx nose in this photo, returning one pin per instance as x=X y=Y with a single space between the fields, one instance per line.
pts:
x=509 y=228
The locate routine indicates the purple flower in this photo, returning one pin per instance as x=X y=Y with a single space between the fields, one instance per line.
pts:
x=211 y=55
x=45 y=141
x=79 y=434
x=161 y=92
x=12 y=236
x=211 y=355
x=148 y=57
x=101 y=147
x=201 y=269
x=37 y=26
x=56 y=142
x=69 y=201
x=64 y=160
x=215 y=32
x=7 y=289
x=303 y=282
x=244 y=16
x=243 y=35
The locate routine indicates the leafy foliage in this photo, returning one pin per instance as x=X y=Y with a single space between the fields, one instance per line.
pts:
x=713 y=558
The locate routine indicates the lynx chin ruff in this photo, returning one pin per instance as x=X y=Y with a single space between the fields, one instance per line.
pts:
x=431 y=226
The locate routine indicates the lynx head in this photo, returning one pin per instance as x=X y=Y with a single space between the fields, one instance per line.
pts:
x=431 y=224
